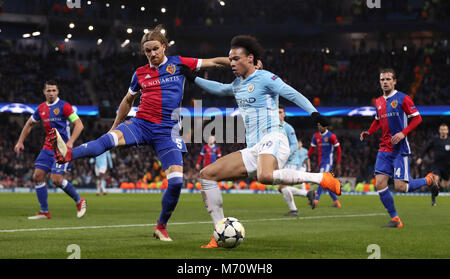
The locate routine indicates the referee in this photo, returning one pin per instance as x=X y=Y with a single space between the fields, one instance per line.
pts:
x=441 y=163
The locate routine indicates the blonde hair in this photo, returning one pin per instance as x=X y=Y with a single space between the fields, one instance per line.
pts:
x=154 y=35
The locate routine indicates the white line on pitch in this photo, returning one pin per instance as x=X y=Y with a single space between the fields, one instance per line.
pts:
x=189 y=223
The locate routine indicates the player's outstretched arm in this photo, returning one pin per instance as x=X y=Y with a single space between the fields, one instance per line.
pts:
x=124 y=108
x=23 y=135
x=217 y=62
x=212 y=87
x=77 y=129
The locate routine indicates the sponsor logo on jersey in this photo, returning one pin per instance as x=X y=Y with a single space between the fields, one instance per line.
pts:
x=171 y=69
x=251 y=87
x=56 y=111
x=394 y=104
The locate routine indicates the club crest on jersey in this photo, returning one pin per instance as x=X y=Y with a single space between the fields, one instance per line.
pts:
x=56 y=111
x=171 y=69
x=325 y=139
x=394 y=104
x=251 y=87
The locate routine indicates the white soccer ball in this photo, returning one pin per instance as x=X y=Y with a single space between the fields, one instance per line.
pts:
x=229 y=232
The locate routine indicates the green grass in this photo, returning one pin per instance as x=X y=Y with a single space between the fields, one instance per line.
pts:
x=321 y=233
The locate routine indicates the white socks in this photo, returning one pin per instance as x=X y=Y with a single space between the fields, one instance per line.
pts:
x=293 y=177
x=297 y=192
x=289 y=198
x=212 y=197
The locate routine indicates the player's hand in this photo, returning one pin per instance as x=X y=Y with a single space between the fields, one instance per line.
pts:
x=18 y=148
x=419 y=161
x=319 y=118
x=186 y=71
x=364 y=135
x=338 y=169
x=69 y=144
x=397 y=138
x=259 y=65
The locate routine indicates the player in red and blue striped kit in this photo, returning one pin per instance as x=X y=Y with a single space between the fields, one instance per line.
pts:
x=157 y=119
x=55 y=114
x=394 y=109
x=209 y=153
x=325 y=142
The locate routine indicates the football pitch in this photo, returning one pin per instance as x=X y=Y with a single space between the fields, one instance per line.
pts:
x=120 y=226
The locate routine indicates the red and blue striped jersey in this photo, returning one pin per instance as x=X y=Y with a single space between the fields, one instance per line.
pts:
x=209 y=154
x=54 y=116
x=325 y=144
x=162 y=89
x=393 y=112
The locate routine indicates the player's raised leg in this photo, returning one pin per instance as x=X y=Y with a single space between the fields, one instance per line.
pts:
x=229 y=167
x=94 y=148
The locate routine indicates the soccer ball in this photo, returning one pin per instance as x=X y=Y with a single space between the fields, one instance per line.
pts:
x=229 y=232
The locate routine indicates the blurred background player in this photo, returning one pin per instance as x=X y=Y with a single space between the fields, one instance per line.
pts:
x=292 y=163
x=55 y=114
x=325 y=141
x=393 y=109
x=209 y=153
x=101 y=165
x=161 y=85
x=256 y=93
x=441 y=163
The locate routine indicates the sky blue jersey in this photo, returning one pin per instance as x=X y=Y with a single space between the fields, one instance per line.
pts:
x=103 y=160
x=257 y=99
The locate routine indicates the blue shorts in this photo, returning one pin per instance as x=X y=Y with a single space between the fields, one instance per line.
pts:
x=165 y=140
x=394 y=165
x=325 y=166
x=46 y=162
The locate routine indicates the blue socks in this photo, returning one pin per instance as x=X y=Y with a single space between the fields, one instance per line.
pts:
x=70 y=190
x=94 y=148
x=388 y=201
x=320 y=190
x=42 y=194
x=415 y=184
x=170 y=199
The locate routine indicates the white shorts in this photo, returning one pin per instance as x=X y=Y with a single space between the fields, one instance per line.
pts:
x=274 y=143
x=99 y=170
x=302 y=169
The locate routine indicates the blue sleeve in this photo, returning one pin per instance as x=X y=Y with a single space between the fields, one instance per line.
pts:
x=214 y=87
x=135 y=87
x=292 y=138
x=35 y=116
x=286 y=91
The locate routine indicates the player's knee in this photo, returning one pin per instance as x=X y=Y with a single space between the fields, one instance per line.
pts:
x=400 y=187
x=38 y=177
x=280 y=188
x=57 y=180
x=265 y=178
x=207 y=174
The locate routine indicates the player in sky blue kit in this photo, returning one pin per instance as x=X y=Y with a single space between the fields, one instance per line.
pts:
x=325 y=142
x=256 y=93
x=102 y=162
x=156 y=123
x=393 y=110
x=55 y=114
x=293 y=162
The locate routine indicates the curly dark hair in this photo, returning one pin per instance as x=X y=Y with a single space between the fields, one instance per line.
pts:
x=250 y=44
